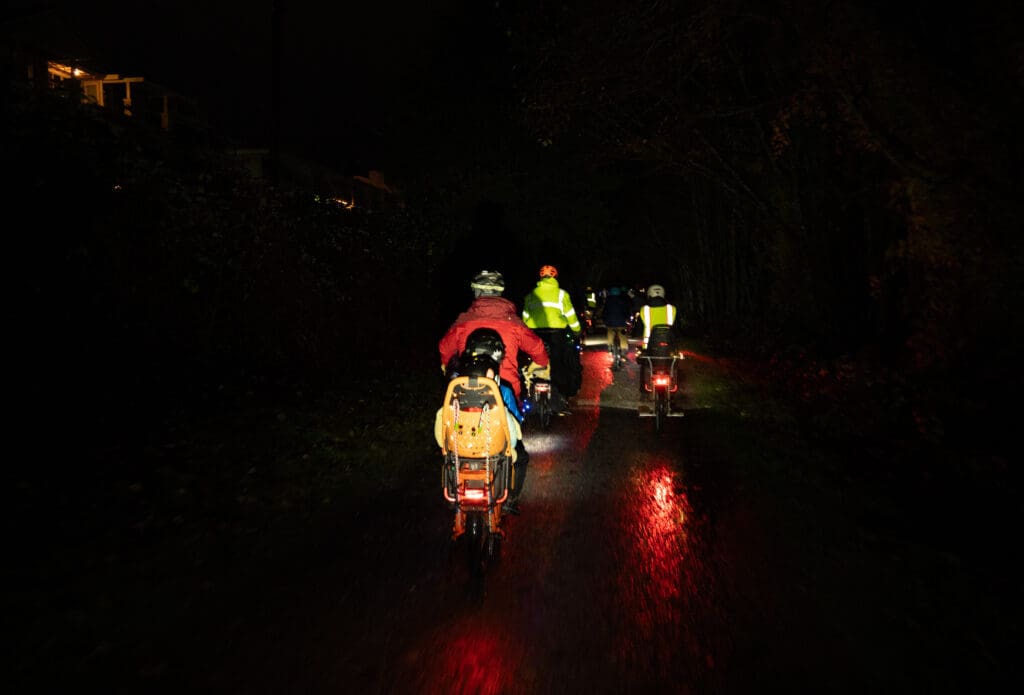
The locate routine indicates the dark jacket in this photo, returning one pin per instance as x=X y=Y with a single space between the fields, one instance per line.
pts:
x=617 y=310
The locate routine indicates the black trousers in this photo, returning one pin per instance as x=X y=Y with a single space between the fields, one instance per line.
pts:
x=566 y=369
x=522 y=460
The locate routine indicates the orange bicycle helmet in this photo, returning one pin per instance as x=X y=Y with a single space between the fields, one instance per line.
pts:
x=548 y=271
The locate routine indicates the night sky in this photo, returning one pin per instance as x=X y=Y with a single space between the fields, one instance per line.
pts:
x=350 y=70
x=356 y=73
x=364 y=83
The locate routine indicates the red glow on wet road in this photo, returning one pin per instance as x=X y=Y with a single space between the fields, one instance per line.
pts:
x=597 y=375
x=655 y=581
x=475 y=664
x=469 y=657
x=658 y=527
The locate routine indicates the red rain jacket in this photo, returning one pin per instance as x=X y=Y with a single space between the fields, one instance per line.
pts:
x=501 y=315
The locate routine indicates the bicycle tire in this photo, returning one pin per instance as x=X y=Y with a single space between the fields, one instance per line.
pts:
x=660 y=410
x=544 y=412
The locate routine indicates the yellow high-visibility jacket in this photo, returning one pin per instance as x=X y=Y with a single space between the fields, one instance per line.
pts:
x=549 y=306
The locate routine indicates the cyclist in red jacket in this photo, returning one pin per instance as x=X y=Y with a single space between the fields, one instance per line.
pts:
x=490 y=310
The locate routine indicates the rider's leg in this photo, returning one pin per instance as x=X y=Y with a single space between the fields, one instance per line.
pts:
x=573 y=368
x=522 y=459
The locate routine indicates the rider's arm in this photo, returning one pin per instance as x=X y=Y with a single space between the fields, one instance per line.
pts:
x=448 y=346
x=509 y=397
x=532 y=345
x=570 y=314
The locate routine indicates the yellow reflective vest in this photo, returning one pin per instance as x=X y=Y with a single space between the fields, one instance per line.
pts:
x=655 y=316
x=549 y=306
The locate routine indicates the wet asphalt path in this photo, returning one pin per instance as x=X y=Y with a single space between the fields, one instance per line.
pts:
x=641 y=563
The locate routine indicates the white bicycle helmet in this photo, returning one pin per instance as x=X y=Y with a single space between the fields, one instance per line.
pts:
x=655 y=291
x=488 y=283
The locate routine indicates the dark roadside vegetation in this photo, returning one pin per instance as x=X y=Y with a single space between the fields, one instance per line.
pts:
x=205 y=365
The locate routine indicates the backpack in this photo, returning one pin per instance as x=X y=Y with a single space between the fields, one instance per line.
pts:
x=662 y=341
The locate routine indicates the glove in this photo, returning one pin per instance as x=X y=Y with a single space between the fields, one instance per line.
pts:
x=534 y=370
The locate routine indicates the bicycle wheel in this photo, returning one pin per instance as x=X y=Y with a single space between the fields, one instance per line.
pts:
x=476 y=538
x=660 y=409
x=544 y=411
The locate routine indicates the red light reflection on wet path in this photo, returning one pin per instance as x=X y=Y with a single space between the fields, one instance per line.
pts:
x=597 y=375
x=655 y=581
x=469 y=657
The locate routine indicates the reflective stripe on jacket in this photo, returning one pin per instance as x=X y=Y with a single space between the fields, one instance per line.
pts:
x=549 y=306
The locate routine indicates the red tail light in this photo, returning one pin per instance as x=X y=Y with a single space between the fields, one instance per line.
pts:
x=662 y=380
x=474 y=494
x=542 y=388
